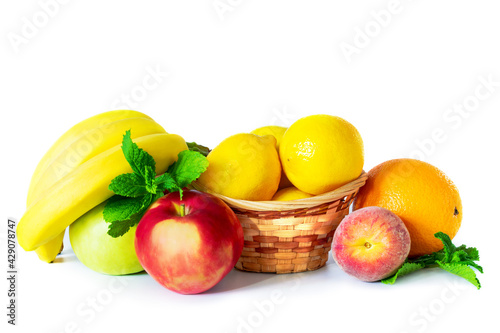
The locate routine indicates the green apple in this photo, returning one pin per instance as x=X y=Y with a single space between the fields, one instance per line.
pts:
x=100 y=252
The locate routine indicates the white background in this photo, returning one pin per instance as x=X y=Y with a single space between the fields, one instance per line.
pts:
x=231 y=69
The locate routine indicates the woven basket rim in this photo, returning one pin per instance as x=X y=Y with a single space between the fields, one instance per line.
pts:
x=317 y=200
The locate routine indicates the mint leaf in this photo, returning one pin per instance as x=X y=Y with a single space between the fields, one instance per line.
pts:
x=457 y=260
x=458 y=256
x=128 y=185
x=166 y=182
x=189 y=166
x=463 y=271
x=136 y=191
x=120 y=228
x=120 y=208
x=135 y=156
x=407 y=268
x=466 y=256
x=448 y=248
x=123 y=213
x=472 y=264
x=149 y=178
x=472 y=252
x=429 y=260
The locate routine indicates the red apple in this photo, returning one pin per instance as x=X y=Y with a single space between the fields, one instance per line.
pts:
x=188 y=245
x=371 y=243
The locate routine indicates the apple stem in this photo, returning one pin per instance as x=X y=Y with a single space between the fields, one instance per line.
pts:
x=183 y=210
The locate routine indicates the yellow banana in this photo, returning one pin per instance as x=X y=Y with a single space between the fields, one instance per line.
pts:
x=71 y=136
x=90 y=144
x=48 y=252
x=82 y=142
x=86 y=187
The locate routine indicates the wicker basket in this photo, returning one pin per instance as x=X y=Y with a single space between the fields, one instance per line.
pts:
x=290 y=236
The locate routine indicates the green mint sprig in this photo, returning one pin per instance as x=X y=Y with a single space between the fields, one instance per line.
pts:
x=136 y=191
x=456 y=260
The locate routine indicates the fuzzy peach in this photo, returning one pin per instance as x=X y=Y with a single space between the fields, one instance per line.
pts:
x=371 y=244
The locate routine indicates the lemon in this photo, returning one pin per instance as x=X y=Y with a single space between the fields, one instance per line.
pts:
x=277 y=132
x=290 y=193
x=243 y=166
x=320 y=153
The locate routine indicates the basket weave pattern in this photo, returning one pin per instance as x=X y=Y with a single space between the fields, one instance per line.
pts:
x=294 y=236
x=290 y=241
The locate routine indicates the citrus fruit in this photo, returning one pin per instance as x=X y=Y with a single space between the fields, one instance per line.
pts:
x=420 y=194
x=320 y=153
x=277 y=132
x=290 y=193
x=243 y=166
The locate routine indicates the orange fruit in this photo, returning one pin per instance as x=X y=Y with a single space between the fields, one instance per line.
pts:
x=420 y=194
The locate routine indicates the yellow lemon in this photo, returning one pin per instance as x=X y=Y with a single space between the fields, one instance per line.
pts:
x=290 y=193
x=244 y=166
x=320 y=153
x=276 y=131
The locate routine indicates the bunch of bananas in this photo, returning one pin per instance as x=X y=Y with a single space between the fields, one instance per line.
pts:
x=74 y=175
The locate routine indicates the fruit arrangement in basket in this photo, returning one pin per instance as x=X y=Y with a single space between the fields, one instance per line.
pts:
x=275 y=200
x=289 y=187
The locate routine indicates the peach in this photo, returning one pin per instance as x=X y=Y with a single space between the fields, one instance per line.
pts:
x=371 y=244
